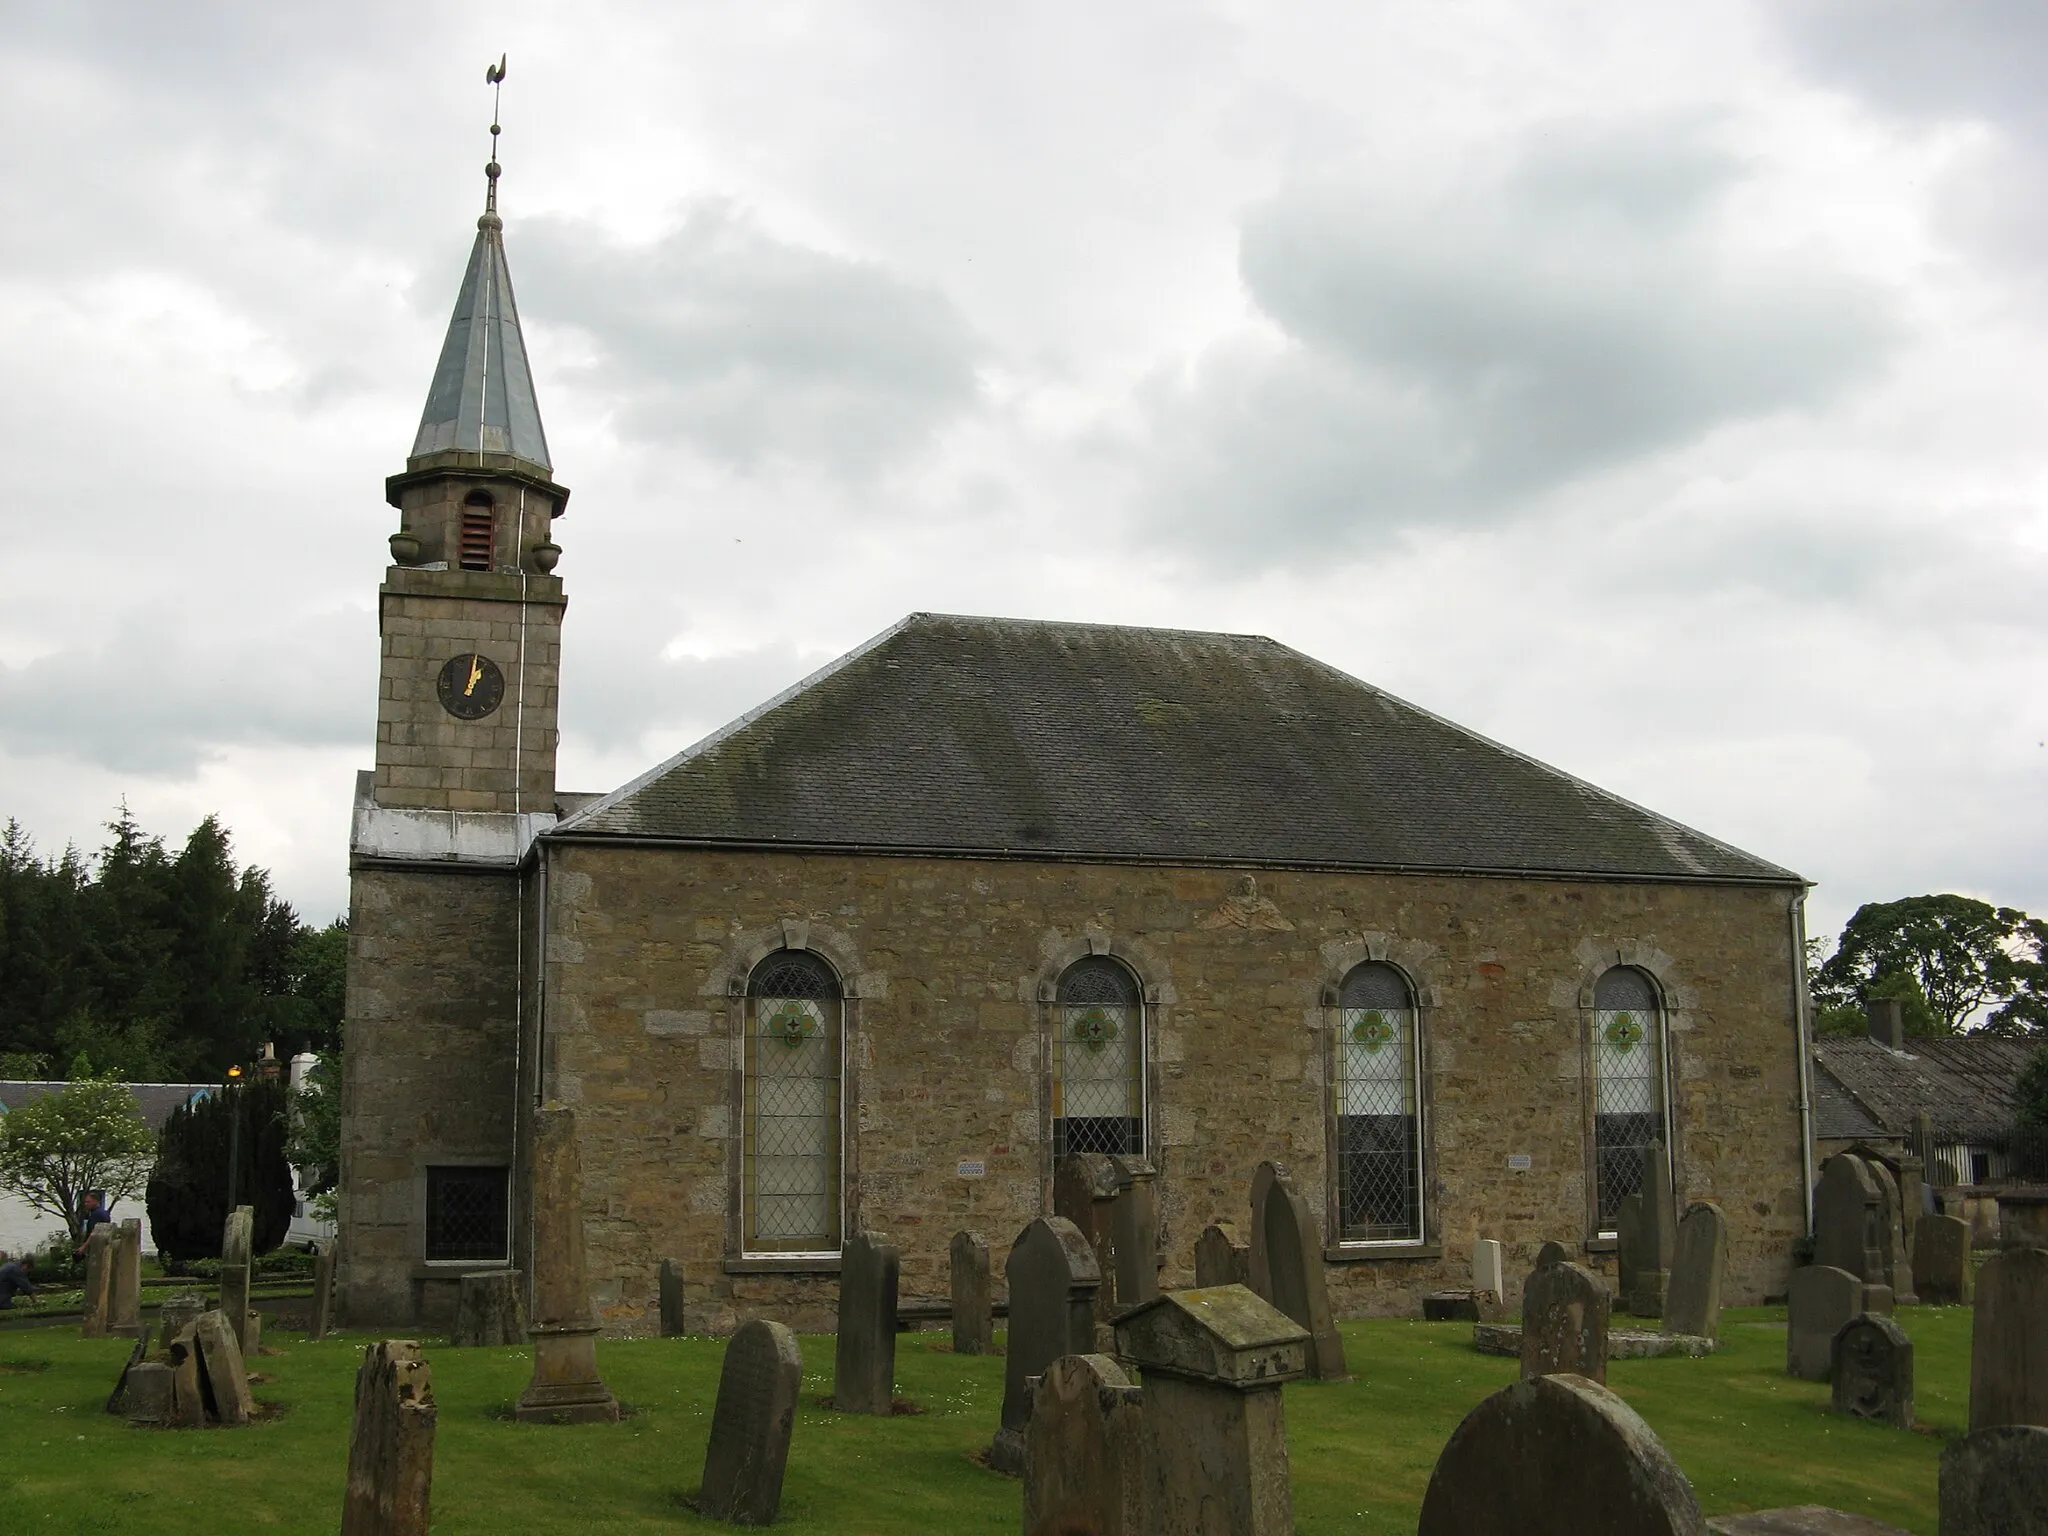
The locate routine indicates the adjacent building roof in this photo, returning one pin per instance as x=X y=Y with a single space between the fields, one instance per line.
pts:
x=482 y=399
x=1964 y=1082
x=1027 y=738
x=157 y=1099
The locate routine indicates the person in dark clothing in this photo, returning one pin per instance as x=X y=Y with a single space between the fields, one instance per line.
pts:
x=93 y=1213
x=17 y=1278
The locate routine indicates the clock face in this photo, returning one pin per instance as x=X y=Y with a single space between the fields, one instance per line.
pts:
x=471 y=686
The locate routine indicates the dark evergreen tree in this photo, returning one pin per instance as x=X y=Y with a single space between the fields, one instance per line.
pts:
x=188 y=1188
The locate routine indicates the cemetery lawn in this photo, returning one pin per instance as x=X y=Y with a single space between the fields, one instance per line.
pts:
x=1748 y=1437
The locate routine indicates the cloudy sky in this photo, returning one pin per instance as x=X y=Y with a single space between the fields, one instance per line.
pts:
x=1656 y=388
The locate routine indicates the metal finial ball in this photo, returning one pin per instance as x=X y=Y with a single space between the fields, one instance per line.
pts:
x=492 y=170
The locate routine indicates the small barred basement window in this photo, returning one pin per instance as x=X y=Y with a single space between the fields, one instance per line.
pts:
x=1098 y=1077
x=1379 y=1125
x=468 y=1212
x=478 y=517
x=1628 y=1073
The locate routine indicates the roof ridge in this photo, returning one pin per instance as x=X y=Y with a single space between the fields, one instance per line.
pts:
x=1129 y=629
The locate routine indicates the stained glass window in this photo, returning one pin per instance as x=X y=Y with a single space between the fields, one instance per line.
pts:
x=1628 y=1076
x=1379 y=1124
x=791 y=1158
x=1098 y=1061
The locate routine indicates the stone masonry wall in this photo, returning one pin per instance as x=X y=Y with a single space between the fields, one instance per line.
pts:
x=947 y=1052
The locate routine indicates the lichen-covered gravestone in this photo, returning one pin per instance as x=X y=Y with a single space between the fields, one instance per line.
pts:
x=1084 y=1453
x=1994 y=1482
x=391 y=1449
x=1564 y=1322
x=1872 y=1371
x=1293 y=1246
x=974 y=1323
x=751 y=1425
x=237 y=1240
x=223 y=1380
x=188 y=1397
x=1221 y=1256
x=490 y=1310
x=177 y=1314
x=566 y=1388
x=1941 y=1261
x=1557 y=1455
x=1818 y=1302
x=864 y=1360
x=99 y=1278
x=1898 y=1269
x=1848 y=1226
x=124 y=1278
x=146 y=1393
x=2009 y=1341
x=1215 y=1422
x=1053 y=1278
x=1692 y=1298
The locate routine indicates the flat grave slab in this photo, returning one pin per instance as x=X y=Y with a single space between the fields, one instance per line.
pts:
x=1622 y=1343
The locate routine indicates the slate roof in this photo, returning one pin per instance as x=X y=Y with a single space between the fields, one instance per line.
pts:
x=1964 y=1082
x=481 y=401
x=157 y=1099
x=1047 y=740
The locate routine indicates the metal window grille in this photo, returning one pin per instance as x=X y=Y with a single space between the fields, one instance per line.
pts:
x=468 y=1214
x=791 y=1158
x=1098 y=1061
x=477 y=536
x=1628 y=1072
x=1379 y=1122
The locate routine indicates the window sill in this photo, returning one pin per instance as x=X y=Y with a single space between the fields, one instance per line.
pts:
x=1602 y=1245
x=1364 y=1253
x=783 y=1264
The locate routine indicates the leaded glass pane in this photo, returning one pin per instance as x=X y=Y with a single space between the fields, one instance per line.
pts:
x=792 y=1080
x=1098 y=1061
x=1628 y=1070
x=467 y=1214
x=1379 y=1150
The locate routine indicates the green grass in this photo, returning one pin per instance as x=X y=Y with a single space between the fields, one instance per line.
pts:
x=1747 y=1436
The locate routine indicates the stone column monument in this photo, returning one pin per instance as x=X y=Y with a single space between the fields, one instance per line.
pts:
x=237 y=1240
x=566 y=1388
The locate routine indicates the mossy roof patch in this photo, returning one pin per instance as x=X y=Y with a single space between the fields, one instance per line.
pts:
x=1025 y=737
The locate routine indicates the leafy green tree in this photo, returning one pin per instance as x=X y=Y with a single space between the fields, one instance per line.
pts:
x=89 y=1134
x=188 y=1187
x=2030 y=1093
x=1960 y=956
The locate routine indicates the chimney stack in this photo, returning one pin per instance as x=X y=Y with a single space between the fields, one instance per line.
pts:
x=1887 y=1021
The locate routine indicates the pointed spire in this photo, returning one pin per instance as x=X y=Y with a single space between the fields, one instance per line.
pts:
x=482 y=402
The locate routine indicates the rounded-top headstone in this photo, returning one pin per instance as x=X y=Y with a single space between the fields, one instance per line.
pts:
x=1552 y=1254
x=1995 y=1483
x=1557 y=1456
x=1871 y=1367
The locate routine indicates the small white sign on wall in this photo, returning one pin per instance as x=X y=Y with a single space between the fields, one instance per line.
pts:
x=1519 y=1161
x=973 y=1170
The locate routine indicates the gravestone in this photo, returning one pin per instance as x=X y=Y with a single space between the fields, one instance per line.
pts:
x=1264 y=1177
x=1660 y=1234
x=1084 y=1453
x=2009 y=1341
x=124 y=1278
x=188 y=1398
x=974 y=1323
x=1053 y=1278
x=490 y=1310
x=864 y=1362
x=238 y=1236
x=146 y=1393
x=177 y=1314
x=566 y=1388
x=1084 y=1191
x=1557 y=1455
x=1820 y=1300
x=252 y=1333
x=117 y=1400
x=323 y=1291
x=1134 y=1233
x=1914 y=1201
x=1488 y=1267
x=1215 y=1421
x=391 y=1447
x=99 y=1281
x=751 y=1425
x=1552 y=1253
x=1942 y=1272
x=1628 y=1248
x=1994 y=1482
x=1221 y=1256
x=1848 y=1223
x=670 y=1283
x=1692 y=1299
x=223 y=1379
x=1564 y=1322
x=1898 y=1269
x=1872 y=1371
x=1294 y=1272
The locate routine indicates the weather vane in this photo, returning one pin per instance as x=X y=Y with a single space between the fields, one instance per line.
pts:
x=494 y=77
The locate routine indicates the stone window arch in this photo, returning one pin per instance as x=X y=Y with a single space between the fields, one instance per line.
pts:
x=1098 y=1059
x=1376 y=1105
x=792 y=1086
x=1630 y=1052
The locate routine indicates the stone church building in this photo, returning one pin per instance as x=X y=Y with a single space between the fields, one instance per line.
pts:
x=984 y=891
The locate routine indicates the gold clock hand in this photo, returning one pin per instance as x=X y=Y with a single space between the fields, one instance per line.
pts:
x=476 y=673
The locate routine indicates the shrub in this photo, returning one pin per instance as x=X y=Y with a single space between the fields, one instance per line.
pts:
x=188 y=1190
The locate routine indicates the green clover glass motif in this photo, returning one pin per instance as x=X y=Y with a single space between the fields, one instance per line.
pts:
x=1624 y=1032
x=792 y=1023
x=1095 y=1028
x=1372 y=1030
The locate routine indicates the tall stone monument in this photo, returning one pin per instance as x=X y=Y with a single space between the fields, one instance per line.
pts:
x=390 y=1489
x=1849 y=1226
x=99 y=1280
x=2009 y=1341
x=323 y=1291
x=1084 y=1453
x=864 y=1356
x=566 y=1388
x=237 y=1263
x=1285 y=1230
x=974 y=1322
x=1053 y=1279
x=752 y=1424
x=124 y=1279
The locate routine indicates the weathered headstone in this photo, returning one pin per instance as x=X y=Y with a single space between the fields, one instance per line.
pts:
x=490 y=1310
x=1872 y=1371
x=1660 y=1234
x=99 y=1280
x=117 y=1400
x=974 y=1322
x=1488 y=1267
x=1557 y=1455
x=1692 y=1299
x=1628 y=1248
x=1084 y=1191
x=1898 y=1269
x=223 y=1379
x=1084 y=1453
x=1264 y=1177
x=237 y=1261
x=391 y=1449
x=670 y=1299
x=1213 y=1362
x=1848 y=1222
x=323 y=1291
x=1994 y=1482
x=124 y=1278
x=1942 y=1273
x=1552 y=1253
x=2009 y=1341
x=1819 y=1301
x=177 y=1314
x=751 y=1425
x=1913 y=1198
x=1053 y=1278
x=1564 y=1322
x=864 y=1361
x=1134 y=1232
x=1294 y=1271
x=188 y=1397
x=146 y=1395
x=566 y=1388
x=1221 y=1256
x=252 y=1333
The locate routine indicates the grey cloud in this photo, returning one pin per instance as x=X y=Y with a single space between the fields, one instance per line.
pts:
x=753 y=349
x=1453 y=353
x=614 y=695
x=1976 y=59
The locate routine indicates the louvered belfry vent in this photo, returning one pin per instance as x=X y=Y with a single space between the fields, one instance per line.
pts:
x=476 y=550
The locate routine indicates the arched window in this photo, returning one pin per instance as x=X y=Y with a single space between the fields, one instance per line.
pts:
x=790 y=1160
x=1628 y=1079
x=478 y=532
x=1098 y=1061
x=1378 y=1092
